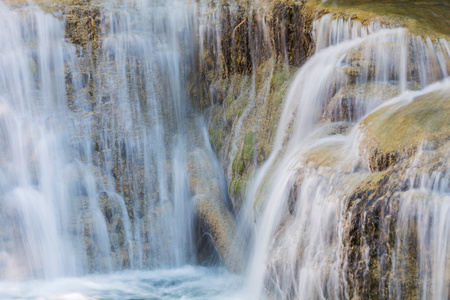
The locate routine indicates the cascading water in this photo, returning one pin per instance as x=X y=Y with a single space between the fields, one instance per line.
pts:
x=100 y=144
x=141 y=103
x=106 y=166
x=36 y=200
x=300 y=249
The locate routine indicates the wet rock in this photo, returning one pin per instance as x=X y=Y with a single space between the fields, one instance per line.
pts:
x=216 y=227
x=240 y=37
x=352 y=102
x=215 y=220
x=382 y=245
x=395 y=132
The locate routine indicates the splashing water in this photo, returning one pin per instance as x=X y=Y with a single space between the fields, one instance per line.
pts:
x=184 y=283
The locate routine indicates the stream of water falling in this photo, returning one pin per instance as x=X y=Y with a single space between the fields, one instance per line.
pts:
x=298 y=249
x=97 y=140
x=96 y=148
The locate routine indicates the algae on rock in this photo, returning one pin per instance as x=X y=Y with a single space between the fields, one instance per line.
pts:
x=395 y=132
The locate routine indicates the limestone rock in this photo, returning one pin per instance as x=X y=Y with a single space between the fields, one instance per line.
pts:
x=394 y=132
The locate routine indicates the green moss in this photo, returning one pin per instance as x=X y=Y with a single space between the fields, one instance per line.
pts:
x=244 y=157
x=216 y=136
x=264 y=189
x=279 y=79
x=426 y=18
x=33 y=66
x=236 y=101
x=238 y=165
x=324 y=155
x=278 y=88
x=238 y=186
x=395 y=131
x=249 y=146
x=229 y=100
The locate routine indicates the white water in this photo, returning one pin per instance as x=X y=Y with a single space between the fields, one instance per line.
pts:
x=432 y=220
x=35 y=201
x=187 y=283
x=97 y=145
x=300 y=253
x=103 y=184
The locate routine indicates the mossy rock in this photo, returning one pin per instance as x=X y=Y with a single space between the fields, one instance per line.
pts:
x=242 y=167
x=249 y=146
x=371 y=208
x=238 y=188
x=238 y=165
x=394 y=132
x=214 y=215
x=425 y=18
x=324 y=155
x=374 y=234
x=350 y=102
x=215 y=219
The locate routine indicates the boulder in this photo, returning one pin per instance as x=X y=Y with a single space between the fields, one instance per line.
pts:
x=216 y=227
x=395 y=131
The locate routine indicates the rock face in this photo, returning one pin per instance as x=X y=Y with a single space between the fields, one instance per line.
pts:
x=249 y=52
x=392 y=133
x=349 y=103
x=384 y=234
x=248 y=55
x=412 y=144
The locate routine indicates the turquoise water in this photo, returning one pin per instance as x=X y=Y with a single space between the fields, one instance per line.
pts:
x=185 y=283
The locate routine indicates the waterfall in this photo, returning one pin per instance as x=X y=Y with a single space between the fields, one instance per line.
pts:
x=149 y=150
x=36 y=200
x=431 y=220
x=99 y=140
x=318 y=160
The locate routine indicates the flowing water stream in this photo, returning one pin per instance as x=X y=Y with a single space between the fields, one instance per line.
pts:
x=300 y=238
x=99 y=144
x=101 y=184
